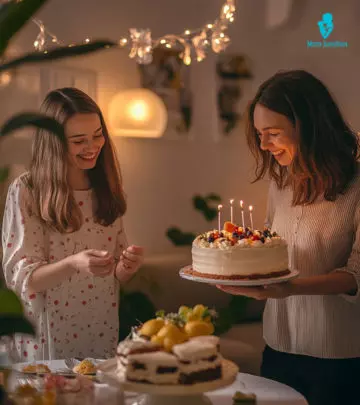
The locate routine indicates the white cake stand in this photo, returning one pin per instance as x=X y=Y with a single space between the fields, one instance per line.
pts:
x=169 y=394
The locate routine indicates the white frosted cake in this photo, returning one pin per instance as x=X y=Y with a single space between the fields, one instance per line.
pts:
x=239 y=253
x=191 y=362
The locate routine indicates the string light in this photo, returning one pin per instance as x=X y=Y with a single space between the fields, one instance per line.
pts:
x=199 y=42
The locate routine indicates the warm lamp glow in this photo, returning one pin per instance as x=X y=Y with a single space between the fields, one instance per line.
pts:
x=138 y=110
x=137 y=113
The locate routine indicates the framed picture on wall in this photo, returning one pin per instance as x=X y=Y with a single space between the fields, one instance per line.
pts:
x=169 y=78
x=55 y=77
x=233 y=73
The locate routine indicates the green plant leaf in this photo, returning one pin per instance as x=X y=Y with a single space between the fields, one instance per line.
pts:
x=199 y=203
x=135 y=307
x=4 y=173
x=10 y=303
x=13 y=16
x=213 y=197
x=25 y=119
x=210 y=213
x=57 y=53
x=180 y=238
x=224 y=321
x=11 y=324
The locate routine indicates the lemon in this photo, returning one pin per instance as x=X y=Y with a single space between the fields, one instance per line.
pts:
x=183 y=310
x=158 y=340
x=199 y=328
x=198 y=310
x=151 y=327
x=170 y=330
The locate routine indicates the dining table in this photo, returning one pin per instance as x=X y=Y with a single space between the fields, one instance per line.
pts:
x=268 y=392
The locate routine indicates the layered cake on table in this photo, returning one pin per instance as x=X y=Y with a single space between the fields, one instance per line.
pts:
x=177 y=348
x=237 y=253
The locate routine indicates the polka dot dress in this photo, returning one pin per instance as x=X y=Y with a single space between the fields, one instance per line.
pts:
x=79 y=317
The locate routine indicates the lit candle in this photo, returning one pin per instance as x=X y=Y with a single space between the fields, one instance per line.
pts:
x=242 y=213
x=231 y=211
x=251 y=218
x=219 y=217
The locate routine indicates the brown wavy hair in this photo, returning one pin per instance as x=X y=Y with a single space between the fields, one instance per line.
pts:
x=52 y=197
x=327 y=148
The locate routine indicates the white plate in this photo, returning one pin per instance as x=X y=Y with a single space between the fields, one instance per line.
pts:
x=244 y=283
x=53 y=365
x=108 y=370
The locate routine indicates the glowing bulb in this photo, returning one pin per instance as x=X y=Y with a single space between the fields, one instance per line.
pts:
x=138 y=110
x=123 y=41
x=209 y=26
x=87 y=40
x=222 y=35
x=163 y=41
x=168 y=46
x=5 y=78
x=187 y=32
x=187 y=60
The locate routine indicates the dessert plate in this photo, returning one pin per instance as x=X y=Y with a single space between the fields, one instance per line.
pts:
x=107 y=370
x=184 y=273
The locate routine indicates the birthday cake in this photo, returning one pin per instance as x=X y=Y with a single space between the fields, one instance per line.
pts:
x=174 y=348
x=237 y=253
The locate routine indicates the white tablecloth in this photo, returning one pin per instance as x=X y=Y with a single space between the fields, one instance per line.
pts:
x=268 y=392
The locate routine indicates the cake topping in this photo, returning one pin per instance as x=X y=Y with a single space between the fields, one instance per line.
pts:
x=237 y=236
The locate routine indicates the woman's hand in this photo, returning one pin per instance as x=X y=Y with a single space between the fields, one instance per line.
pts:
x=130 y=261
x=280 y=290
x=98 y=263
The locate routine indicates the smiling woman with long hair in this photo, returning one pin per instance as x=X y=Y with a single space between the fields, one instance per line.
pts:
x=311 y=325
x=65 y=249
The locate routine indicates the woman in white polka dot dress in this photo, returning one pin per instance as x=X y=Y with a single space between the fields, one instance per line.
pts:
x=64 y=247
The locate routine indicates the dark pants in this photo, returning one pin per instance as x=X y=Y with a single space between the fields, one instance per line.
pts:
x=321 y=381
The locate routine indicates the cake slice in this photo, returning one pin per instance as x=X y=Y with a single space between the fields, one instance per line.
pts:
x=146 y=362
x=199 y=361
x=153 y=368
x=212 y=339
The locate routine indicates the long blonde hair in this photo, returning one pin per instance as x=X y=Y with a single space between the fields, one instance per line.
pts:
x=52 y=197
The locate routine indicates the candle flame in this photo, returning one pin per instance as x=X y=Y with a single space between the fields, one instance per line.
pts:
x=219 y=207
x=231 y=201
x=250 y=207
x=241 y=203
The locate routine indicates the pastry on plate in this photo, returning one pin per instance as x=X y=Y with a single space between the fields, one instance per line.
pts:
x=85 y=367
x=36 y=369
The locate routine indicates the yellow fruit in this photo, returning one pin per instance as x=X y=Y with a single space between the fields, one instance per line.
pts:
x=190 y=316
x=199 y=328
x=158 y=340
x=183 y=309
x=169 y=343
x=151 y=327
x=170 y=330
x=198 y=310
